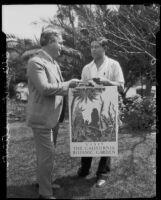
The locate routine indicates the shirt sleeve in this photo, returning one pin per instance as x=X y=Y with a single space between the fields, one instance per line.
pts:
x=84 y=76
x=118 y=74
x=36 y=73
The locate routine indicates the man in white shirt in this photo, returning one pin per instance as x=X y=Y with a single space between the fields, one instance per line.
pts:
x=101 y=71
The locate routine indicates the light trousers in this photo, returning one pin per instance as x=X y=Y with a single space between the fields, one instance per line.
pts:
x=45 y=159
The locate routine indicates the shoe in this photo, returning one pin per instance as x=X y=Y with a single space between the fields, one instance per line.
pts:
x=46 y=197
x=54 y=186
x=100 y=182
x=82 y=174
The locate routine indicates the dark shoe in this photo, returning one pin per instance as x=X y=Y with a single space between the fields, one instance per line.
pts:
x=46 y=197
x=82 y=174
x=101 y=182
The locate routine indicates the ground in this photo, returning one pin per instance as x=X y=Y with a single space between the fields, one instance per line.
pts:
x=133 y=172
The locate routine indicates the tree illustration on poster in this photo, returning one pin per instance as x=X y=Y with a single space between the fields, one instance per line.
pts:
x=93 y=114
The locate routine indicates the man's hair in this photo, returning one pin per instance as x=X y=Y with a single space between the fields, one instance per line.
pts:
x=49 y=35
x=102 y=41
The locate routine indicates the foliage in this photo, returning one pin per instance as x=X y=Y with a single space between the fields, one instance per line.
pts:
x=20 y=45
x=16 y=74
x=16 y=110
x=78 y=128
x=84 y=94
x=16 y=64
x=131 y=32
x=110 y=123
x=138 y=113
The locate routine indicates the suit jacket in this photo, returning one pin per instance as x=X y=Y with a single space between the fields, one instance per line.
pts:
x=46 y=91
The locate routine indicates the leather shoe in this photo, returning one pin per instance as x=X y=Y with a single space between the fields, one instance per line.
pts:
x=100 y=182
x=82 y=174
x=46 y=197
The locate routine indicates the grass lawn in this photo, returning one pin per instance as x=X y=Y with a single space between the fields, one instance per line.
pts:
x=133 y=172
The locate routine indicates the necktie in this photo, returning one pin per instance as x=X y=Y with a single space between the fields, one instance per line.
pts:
x=58 y=70
x=64 y=98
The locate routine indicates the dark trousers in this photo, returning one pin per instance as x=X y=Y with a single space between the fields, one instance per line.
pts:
x=103 y=167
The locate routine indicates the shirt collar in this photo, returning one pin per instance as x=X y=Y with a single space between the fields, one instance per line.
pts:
x=48 y=56
x=105 y=60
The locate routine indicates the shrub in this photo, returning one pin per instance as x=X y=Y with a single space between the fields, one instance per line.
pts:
x=141 y=91
x=16 y=110
x=138 y=113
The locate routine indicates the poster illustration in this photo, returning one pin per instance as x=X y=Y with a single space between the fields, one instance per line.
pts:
x=93 y=113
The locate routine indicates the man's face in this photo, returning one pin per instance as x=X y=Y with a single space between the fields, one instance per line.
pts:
x=55 y=47
x=97 y=50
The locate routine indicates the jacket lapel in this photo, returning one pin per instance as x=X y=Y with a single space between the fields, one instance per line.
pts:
x=53 y=67
x=60 y=74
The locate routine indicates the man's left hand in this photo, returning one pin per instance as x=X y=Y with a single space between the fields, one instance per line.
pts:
x=102 y=81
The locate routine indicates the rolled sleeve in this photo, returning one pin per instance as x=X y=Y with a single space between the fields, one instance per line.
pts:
x=84 y=75
x=36 y=73
x=118 y=74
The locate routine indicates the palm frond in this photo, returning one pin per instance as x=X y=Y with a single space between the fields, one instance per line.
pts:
x=11 y=36
x=71 y=52
x=29 y=53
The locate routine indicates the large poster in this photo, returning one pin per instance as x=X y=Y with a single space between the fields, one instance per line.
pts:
x=93 y=114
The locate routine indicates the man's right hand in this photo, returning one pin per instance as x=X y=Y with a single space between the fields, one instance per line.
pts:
x=74 y=82
x=91 y=83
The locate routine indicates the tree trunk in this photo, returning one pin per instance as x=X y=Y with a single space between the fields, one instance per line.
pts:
x=148 y=87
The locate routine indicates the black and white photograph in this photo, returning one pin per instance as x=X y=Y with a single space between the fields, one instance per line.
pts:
x=80 y=100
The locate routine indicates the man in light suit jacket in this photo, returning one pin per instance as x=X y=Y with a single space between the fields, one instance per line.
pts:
x=45 y=103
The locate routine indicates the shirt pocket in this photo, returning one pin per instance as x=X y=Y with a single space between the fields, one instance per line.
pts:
x=106 y=74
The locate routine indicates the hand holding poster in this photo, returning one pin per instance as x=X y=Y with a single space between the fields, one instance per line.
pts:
x=93 y=114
